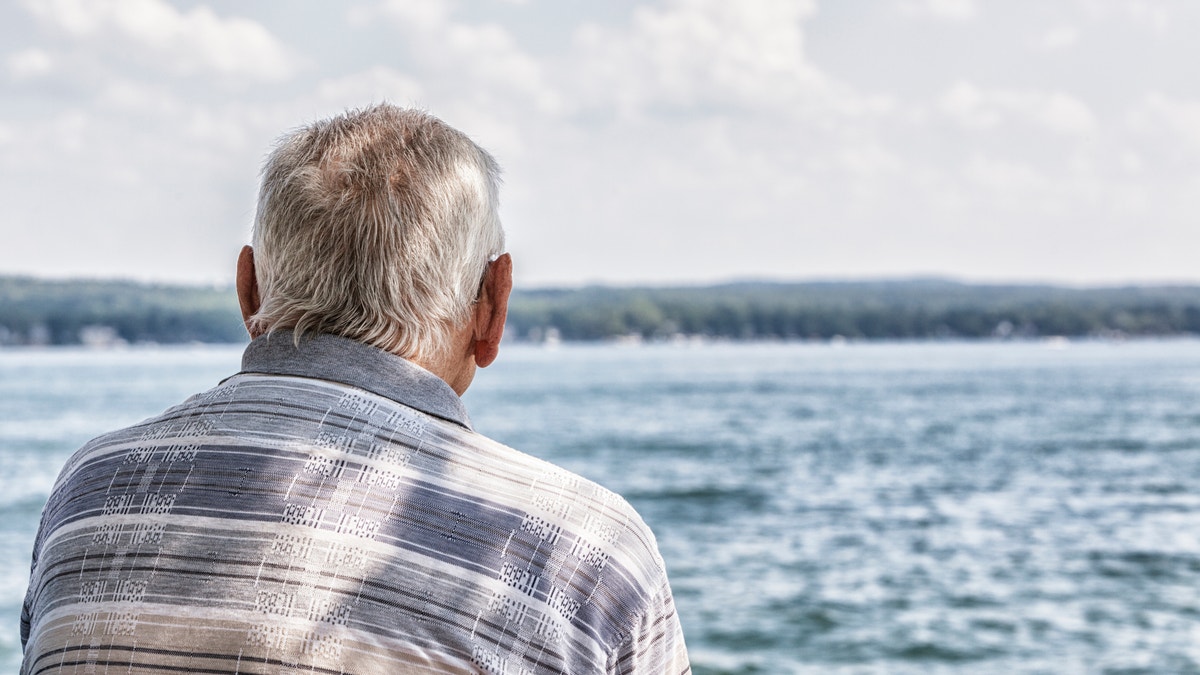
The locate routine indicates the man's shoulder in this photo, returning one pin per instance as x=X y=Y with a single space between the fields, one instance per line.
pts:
x=559 y=503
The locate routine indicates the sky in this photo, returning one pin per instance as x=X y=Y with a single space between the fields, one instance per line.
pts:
x=643 y=142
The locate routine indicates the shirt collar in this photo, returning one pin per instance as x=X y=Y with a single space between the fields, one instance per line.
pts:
x=338 y=359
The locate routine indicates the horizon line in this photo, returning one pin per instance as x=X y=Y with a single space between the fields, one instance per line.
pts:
x=685 y=284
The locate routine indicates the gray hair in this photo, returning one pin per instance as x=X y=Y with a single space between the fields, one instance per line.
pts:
x=376 y=225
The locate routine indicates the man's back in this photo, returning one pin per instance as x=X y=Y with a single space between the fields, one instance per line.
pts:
x=329 y=510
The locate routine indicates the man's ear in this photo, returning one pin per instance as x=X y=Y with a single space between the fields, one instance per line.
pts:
x=492 y=310
x=247 y=288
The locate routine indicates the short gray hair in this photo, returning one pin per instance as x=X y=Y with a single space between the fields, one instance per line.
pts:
x=377 y=225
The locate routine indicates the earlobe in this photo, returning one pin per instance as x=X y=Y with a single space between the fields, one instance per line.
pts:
x=486 y=352
x=247 y=288
x=492 y=311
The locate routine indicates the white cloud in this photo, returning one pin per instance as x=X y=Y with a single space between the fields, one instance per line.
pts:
x=483 y=61
x=493 y=56
x=869 y=160
x=409 y=14
x=216 y=128
x=1132 y=162
x=953 y=10
x=29 y=63
x=151 y=31
x=980 y=108
x=1061 y=37
x=1151 y=13
x=1062 y=113
x=702 y=53
x=966 y=104
x=71 y=131
x=131 y=96
x=1159 y=113
x=376 y=84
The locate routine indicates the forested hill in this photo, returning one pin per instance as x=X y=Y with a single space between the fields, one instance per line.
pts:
x=35 y=311
x=99 y=312
x=912 y=309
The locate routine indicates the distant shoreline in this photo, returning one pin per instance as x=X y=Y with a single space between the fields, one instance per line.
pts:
x=109 y=313
x=684 y=343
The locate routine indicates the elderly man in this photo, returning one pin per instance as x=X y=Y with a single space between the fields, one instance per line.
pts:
x=329 y=508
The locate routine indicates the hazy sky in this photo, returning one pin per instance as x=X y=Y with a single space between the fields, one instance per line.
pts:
x=642 y=141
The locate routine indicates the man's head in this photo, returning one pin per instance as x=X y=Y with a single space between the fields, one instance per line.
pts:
x=376 y=225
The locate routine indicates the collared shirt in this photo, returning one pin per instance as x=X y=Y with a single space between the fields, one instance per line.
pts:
x=330 y=510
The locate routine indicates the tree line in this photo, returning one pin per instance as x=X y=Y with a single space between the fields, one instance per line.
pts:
x=35 y=311
x=38 y=311
x=897 y=310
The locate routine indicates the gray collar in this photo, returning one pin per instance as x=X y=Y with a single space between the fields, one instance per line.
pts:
x=339 y=359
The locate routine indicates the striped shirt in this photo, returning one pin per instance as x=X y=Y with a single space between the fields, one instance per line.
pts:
x=330 y=510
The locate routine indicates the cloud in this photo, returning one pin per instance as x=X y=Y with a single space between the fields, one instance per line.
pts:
x=494 y=57
x=29 y=64
x=377 y=83
x=480 y=58
x=1059 y=38
x=151 y=31
x=952 y=10
x=698 y=53
x=133 y=97
x=979 y=108
x=1178 y=118
x=869 y=160
x=1005 y=176
x=408 y=14
x=1152 y=13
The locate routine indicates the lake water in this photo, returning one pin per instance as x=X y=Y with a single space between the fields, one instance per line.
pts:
x=875 y=508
